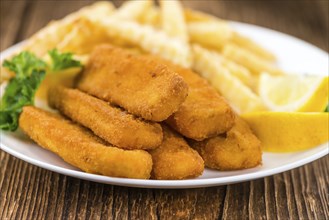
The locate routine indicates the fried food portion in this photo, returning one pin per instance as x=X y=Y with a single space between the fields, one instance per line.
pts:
x=110 y=123
x=82 y=149
x=204 y=113
x=239 y=149
x=142 y=86
x=175 y=159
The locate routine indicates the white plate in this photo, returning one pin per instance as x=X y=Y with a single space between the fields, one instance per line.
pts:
x=294 y=56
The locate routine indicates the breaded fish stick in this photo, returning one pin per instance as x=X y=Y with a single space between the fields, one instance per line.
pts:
x=110 y=123
x=204 y=113
x=175 y=159
x=82 y=149
x=240 y=149
x=142 y=86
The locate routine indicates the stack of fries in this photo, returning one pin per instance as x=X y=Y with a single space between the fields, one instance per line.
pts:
x=209 y=45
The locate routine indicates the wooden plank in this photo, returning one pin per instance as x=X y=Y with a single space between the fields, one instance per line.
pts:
x=56 y=195
x=236 y=201
x=280 y=197
x=311 y=194
x=142 y=204
x=270 y=198
x=10 y=21
x=5 y=175
x=176 y=204
x=120 y=206
x=289 y=188
x=257 y=205
x=210 y=203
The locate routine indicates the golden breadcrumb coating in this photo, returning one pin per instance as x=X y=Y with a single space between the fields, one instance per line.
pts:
x=175 y=159
x=239 y=149
x=204 y=113
x=79 y=147
x=142 y=86
x=110 y=123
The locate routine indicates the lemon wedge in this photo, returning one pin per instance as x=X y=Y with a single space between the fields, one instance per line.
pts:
x=294 y=92
x=289 y=131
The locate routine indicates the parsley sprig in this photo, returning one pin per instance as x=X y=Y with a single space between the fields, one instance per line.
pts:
x=30 y=71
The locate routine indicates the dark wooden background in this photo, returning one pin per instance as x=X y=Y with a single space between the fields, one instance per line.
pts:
x=29 y=192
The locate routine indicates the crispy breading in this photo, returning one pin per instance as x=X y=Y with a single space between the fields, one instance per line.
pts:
x=239 y=149
x=79 y=147
x=142 y=86
x=204 y=113
x=108 y=122
x=175 y=159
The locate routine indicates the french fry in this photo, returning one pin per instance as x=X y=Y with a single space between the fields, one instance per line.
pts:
x=50 y=36
x=238 y=71
x=149 y=39
x=133 y=10
x=44 y=40
x=242 y=98
x=210 y=34
x=151 y=17
x=197 y=16
x=193 y=16
x=173 y=20
x=246 y=58
x=84 y=33
x=247 y=43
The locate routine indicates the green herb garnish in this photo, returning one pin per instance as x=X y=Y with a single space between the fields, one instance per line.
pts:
x=24 y=64
x=62 y=61
x=20 y=91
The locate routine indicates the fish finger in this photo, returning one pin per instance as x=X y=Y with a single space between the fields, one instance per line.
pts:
x=175 y=159
x=110 y=123
x=204 y=113
x=81 y=148
x=238 y=149
x=142 y=86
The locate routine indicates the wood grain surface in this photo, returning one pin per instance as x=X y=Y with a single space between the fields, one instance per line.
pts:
x=29 y=192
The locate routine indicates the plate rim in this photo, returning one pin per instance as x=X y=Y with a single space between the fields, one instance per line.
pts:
x=173 y=184
x=145 y=183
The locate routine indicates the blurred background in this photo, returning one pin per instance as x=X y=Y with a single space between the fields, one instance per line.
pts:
x=304 y=19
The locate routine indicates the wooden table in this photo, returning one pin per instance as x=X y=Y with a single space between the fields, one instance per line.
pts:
x=29 y=192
